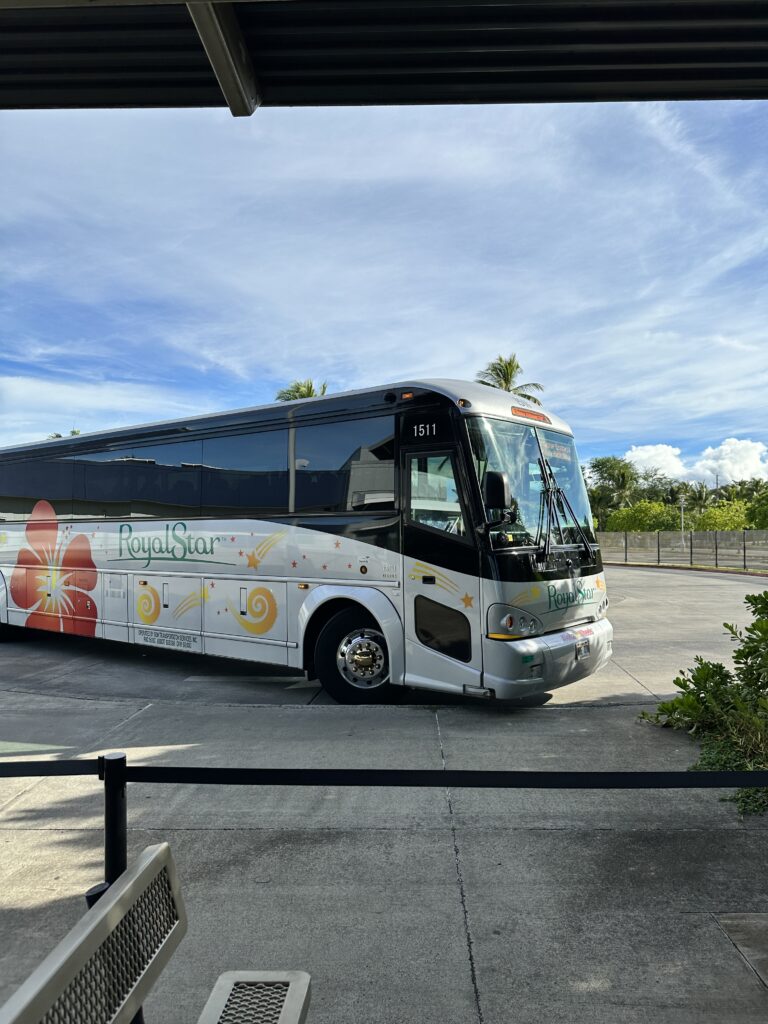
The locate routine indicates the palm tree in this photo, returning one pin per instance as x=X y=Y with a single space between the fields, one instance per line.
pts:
x=741 y=490
x=503 y=373
x=301 y=389
x=617 y=480
x=700 y=497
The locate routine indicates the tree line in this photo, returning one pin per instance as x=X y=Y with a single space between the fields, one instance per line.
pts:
x=626 y=498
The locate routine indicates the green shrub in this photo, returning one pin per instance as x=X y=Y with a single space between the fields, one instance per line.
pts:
x=644 y=515
x=728 y=515
x=757 y=511
x=727 y=711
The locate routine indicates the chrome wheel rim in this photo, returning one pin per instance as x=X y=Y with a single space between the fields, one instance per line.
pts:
x=362 y=659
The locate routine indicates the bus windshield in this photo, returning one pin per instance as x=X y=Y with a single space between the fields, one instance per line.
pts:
x=520 y=451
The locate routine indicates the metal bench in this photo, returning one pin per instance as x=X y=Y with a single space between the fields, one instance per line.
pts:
x=103 y=970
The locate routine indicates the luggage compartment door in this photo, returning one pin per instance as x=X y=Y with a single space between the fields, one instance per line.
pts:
x=167 y=611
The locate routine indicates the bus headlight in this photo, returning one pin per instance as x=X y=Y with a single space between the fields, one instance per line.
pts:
x=506 y=622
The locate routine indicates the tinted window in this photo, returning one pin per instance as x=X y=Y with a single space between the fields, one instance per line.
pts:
x=166 y=479
x=246 y=473
x=154 y=480
x=435 y=498
x=23 y=484
x=346 y=467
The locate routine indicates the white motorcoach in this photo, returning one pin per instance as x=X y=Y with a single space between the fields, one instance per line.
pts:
x=432 y=534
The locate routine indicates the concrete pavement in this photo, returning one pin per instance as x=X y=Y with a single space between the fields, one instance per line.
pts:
x=464 y=906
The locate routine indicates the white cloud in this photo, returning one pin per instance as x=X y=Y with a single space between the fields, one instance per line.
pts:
x=620 y=250
x=31 y=407
x=733 y=459
x=663 y=457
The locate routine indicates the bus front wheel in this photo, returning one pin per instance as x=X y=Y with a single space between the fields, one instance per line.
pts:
x=351 y=659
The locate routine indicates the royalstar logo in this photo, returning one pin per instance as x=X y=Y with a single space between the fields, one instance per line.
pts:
x=568 y=598
x=176 y=544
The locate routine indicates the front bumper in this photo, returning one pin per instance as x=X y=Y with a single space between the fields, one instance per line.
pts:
x=519 y=668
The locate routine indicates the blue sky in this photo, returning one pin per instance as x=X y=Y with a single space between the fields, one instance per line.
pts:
x=158 y=263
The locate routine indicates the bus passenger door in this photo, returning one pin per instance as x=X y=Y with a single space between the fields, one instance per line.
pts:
x=443 y=620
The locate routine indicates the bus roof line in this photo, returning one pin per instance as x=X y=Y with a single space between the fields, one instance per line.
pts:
x=480 y=398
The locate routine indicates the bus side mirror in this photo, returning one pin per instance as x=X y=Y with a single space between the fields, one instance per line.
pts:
x=496 y=493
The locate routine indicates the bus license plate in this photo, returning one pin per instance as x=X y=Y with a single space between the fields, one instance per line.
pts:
x=582 y=649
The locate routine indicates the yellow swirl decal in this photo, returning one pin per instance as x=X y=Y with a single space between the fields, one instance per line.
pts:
x=148 y=605
x=262 y=611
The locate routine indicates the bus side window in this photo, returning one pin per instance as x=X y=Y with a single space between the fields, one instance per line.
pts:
x=102 y=485
x=165 y=479
x=24 y=483
x=143 y=480
x=246 y=473
x=348 y=466
x=434 y=498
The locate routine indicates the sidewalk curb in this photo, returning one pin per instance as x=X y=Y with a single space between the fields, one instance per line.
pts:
x=722 y=571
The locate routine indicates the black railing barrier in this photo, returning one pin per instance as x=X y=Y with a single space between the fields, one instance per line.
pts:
x=115 y=772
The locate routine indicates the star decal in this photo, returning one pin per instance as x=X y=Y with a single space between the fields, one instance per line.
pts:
x=467 y=601
x=349 y=565
x=240 y=554
x=337 y=545
x=325 y=567
x=253 y=562
x=294 y=564
x=233 y=539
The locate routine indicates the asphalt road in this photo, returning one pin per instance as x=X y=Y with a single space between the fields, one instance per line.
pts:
x=464 y=906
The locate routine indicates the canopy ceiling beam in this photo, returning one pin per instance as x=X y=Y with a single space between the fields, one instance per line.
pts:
x=220 y=34
x=10 y=5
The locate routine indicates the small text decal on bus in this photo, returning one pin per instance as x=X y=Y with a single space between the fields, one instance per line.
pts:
x=175 y=544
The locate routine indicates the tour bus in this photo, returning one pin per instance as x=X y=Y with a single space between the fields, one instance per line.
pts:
x=433 y=534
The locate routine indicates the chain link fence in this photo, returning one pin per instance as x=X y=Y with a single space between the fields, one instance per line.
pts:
x=726 y=549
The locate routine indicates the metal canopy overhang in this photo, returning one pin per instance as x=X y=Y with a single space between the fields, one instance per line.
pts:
x=246 y=53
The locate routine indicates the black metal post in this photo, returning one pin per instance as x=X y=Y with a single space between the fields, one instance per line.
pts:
x=115 y=816
x=95 y=893
x=113 y=773
x=658 y=547
x=716 y=565
x=744 y=546
x=626 y=548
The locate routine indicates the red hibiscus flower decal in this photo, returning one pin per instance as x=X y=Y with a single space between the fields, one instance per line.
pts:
x=54 y=575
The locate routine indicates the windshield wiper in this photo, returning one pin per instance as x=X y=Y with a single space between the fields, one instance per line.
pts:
x=554 y=494
x=547 y=513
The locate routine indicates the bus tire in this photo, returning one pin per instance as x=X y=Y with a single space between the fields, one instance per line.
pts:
x=352 y=660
